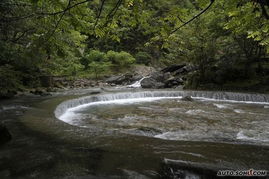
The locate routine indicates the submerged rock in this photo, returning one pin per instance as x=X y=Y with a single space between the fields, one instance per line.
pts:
x=96 y=92
x=183 y=169
x=149 y=130
x=40 y=91
x=5 y=136
x=187 y=98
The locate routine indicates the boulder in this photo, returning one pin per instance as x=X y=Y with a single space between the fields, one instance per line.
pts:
x=173 y=82
x=95 y=92
x=185 y=169
x=151 y=83
x=5 y=136
x=157 y=76
x=184 y=70
x=124 y=79
x=40 y=91
x=187 y=98
x=173 y=68
x=118 y=79
x=136 y=77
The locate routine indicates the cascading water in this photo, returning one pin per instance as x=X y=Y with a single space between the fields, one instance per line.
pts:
x=136 y=84
x=161 y=114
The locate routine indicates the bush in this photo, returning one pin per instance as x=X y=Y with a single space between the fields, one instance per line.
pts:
x=99 y=68
x=143 y=58
x=92 y=56
x=120 y=59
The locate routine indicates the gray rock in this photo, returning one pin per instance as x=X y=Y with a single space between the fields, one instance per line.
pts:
x=119 y=79
x=187 y=98
x=173 y=68
x=157 y=76
x=184 y=70
x=173 y=82
x=40 y=91
x=136 y=77
x=151 y=83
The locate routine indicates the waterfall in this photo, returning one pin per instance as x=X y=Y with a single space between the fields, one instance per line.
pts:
x=127 y=97
x=136 y=84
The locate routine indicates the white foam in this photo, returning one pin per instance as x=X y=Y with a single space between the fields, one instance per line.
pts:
x=182 y=135
x=229 y=100
x=11 y=107
x=221 y=106
x=195 y=111
x=239 y=111
x=137 y=84
x=70 y=114
x=252 y=135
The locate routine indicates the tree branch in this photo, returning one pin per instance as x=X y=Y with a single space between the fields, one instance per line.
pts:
x=99 y=13
x=43 y=14
x=112 y=13
x=58 y=22
x=196 y=16
x=64 y=10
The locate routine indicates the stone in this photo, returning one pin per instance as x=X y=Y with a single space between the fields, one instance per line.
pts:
x=173 y=82
x=95 y=92
x=187 y=98
x=136 y=77
x=118 y=79
x=41 y=92
x=173 y=68
x=170 y=168
x=151 y=83
x=158 y=76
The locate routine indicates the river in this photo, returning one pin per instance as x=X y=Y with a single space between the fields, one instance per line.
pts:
x=133 y=133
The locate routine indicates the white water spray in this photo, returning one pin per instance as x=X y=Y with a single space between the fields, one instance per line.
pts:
x=136 y=84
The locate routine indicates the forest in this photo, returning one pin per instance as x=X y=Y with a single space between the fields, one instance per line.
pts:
x=226 y=40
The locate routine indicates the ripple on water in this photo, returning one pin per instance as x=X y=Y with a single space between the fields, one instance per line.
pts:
x=222 y=106
x=239 y=111
x=195 y=111
x=253 y=135
x=193 y=135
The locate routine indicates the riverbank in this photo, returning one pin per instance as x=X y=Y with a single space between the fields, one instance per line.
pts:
x=180 y=76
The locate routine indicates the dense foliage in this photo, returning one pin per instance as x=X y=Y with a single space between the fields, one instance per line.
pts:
x=227 y=40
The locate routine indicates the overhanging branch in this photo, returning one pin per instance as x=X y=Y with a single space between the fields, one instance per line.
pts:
x=196 y=16
x=99 y=13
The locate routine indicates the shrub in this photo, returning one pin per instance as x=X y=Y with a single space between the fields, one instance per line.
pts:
x=92 y=56
x=120 y=59
x=143 y=58
x=99 y=68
